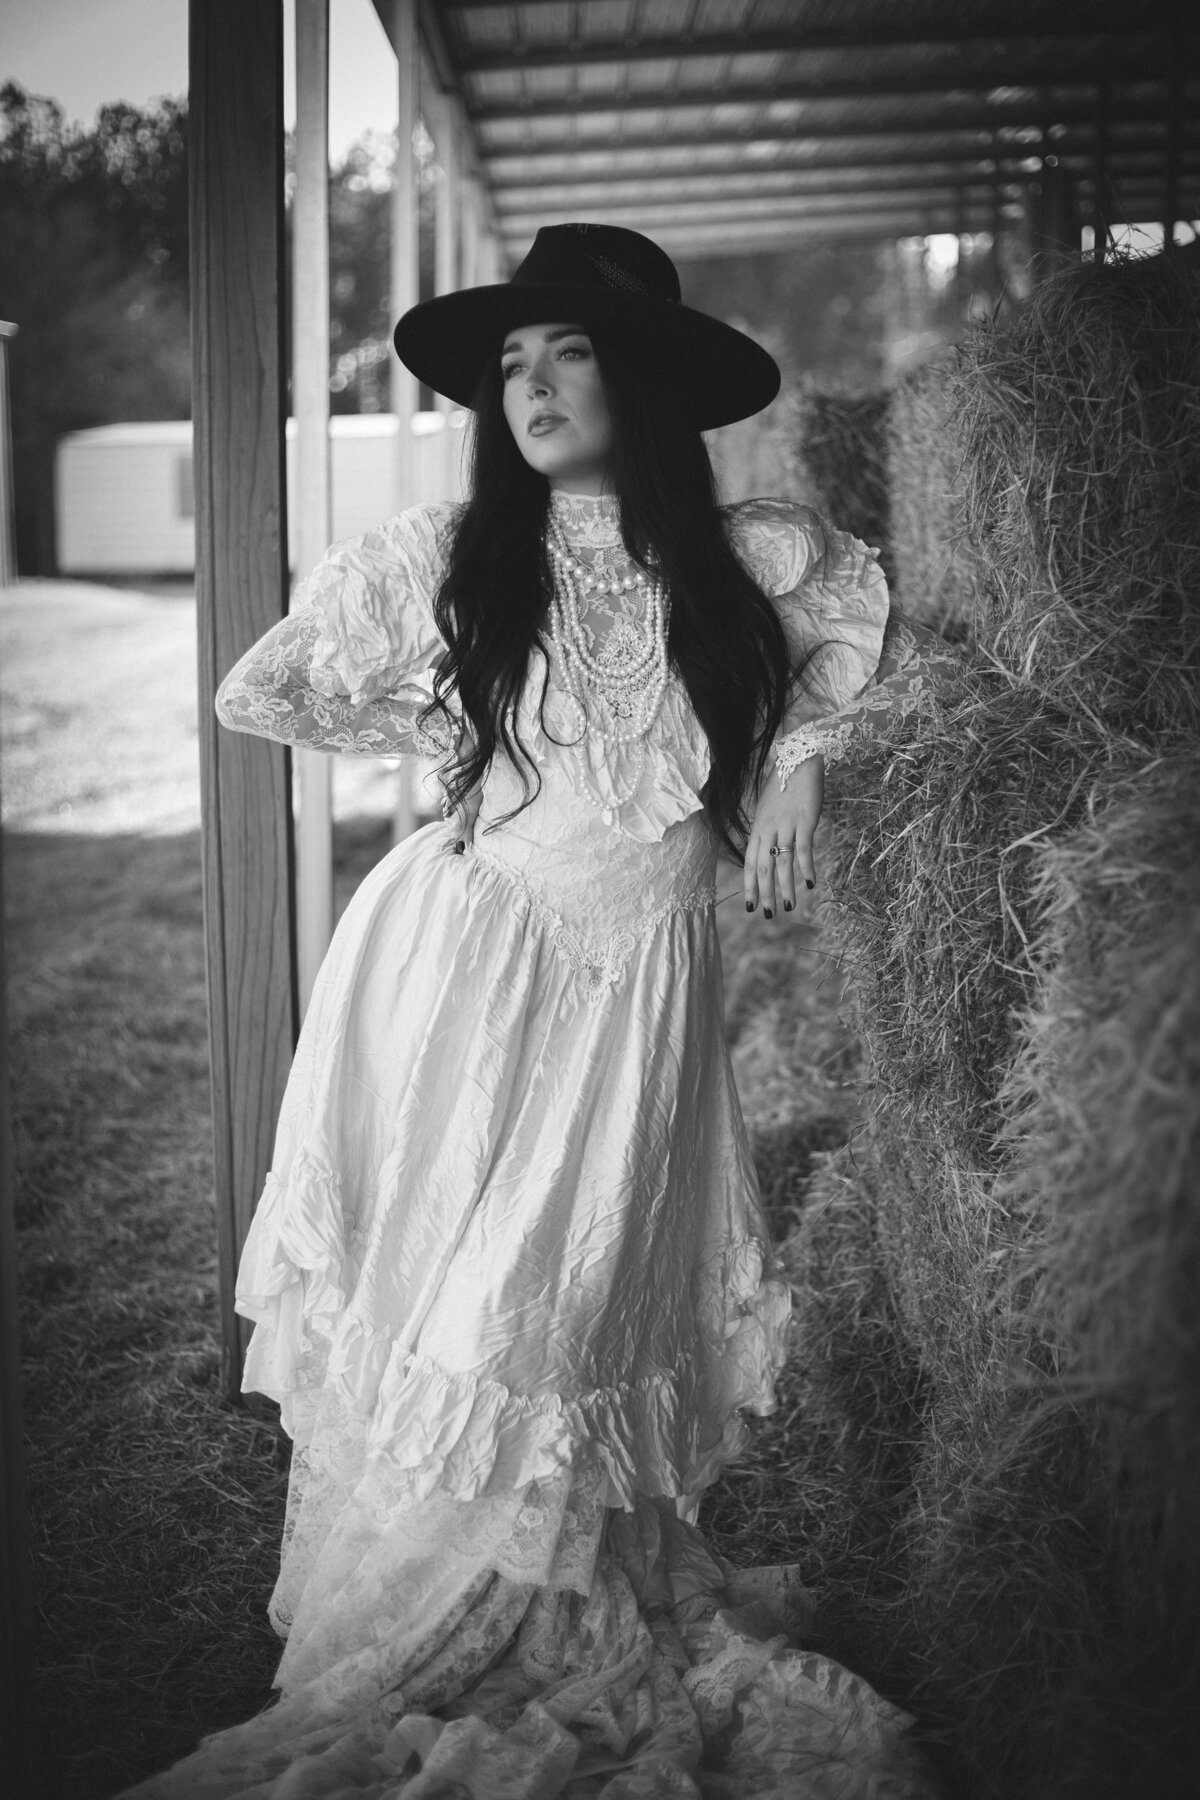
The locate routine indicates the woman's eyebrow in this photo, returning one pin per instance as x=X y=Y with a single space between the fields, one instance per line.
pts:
x=552 y=337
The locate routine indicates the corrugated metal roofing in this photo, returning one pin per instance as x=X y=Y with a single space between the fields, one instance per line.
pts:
x=726 y=124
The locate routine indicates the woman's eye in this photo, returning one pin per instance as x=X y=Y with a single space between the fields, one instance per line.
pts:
x=508 y=370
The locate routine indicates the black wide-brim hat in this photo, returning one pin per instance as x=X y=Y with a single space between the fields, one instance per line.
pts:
x=592 y=275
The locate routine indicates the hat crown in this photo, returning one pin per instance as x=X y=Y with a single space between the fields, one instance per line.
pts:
x=605 y=257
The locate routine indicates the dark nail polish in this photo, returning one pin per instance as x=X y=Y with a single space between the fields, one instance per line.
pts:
x=787 y=906
x=808 y=883
x=767 y=913
x=460 y=847
x=750 y=905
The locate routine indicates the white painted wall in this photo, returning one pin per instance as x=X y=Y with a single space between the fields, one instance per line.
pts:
x=123 y=500
x=123 y=493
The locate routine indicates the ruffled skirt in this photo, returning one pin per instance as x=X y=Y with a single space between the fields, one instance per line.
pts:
x=509 y=1291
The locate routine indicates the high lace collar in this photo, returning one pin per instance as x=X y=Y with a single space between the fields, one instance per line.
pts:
x=591 y=520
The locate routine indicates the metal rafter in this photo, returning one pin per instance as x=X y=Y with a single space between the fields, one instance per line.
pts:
x=724 y=184
x=568 y=113
x=918 y=85
x=852 y=30
x=1007 y=50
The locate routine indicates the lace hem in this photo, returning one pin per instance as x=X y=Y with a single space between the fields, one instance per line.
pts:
x=598 y=962
x=800 y=746
x=419 y=1429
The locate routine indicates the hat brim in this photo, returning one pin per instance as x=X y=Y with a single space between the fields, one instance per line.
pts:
x=719 y=374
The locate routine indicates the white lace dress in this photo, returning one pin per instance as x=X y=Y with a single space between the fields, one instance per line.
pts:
x=509 y=1277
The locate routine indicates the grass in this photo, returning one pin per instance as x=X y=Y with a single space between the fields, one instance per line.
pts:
x=156 y=1506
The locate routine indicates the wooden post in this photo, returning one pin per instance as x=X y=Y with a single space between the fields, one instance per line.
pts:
x=1100 y=176
x=1176 y=76
x=236 y=210
x=405 y=293
x=310 y=402
x=405 y=269
x=8 y=542
x=449 y=199
x=962 y=286
x=17 y=1754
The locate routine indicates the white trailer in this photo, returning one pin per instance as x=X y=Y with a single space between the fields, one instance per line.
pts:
x=125 y=503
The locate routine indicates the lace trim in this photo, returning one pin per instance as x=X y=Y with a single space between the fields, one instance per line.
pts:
x=588 y=521
x=799 y=746
x=598 y=962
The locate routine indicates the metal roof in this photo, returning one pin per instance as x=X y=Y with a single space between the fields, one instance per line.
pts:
x=721 y=125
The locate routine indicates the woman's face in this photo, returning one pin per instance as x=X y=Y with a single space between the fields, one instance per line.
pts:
x=555 y=406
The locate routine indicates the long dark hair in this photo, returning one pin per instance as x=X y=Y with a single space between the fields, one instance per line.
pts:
x=725 y=639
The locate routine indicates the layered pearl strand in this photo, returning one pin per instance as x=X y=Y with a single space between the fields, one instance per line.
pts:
x=629 y=674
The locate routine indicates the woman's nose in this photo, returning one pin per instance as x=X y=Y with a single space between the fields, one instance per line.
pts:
x=537 y=379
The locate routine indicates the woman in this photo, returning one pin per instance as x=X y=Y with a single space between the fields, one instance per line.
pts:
x=509 y=1276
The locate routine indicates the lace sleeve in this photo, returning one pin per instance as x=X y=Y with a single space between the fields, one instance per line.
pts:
x=270 y=693
x=914 y=664
x=350 y=668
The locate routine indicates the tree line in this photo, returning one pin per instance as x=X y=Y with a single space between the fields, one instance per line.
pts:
x=94 y=272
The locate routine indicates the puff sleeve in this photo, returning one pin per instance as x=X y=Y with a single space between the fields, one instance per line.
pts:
x=858 y=663
x=350 y=669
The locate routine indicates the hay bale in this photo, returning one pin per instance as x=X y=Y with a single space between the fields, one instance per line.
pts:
x=1023 y=917
x=841 y=441
x=1010 y=1251
x=1104 y=1108
x=1080 y=426
x=936 y=570
x=933 y=870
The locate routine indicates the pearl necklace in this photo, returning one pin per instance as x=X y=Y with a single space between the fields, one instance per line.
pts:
x=629 y=673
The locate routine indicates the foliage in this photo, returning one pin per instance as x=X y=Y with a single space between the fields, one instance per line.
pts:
x=93 y=271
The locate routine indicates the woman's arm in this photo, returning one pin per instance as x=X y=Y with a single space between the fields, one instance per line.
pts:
x=350 y=668
x=914 y=663
x=270 y=693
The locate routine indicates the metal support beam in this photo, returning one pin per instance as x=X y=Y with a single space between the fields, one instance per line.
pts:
x=310 y=401
x=977 y=128
x=1006 y=55
x=1021 y=20
x=879 y=90
x=804 y=208
x=235 y=166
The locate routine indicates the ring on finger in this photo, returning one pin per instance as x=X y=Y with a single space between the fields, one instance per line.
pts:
x=783 y=849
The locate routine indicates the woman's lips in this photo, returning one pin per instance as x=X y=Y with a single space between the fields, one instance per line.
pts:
x=543 y=422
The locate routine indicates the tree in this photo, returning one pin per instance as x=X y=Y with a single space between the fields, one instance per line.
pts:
x=93 y=269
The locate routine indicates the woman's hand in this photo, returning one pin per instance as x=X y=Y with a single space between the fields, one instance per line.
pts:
x=781 y=837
